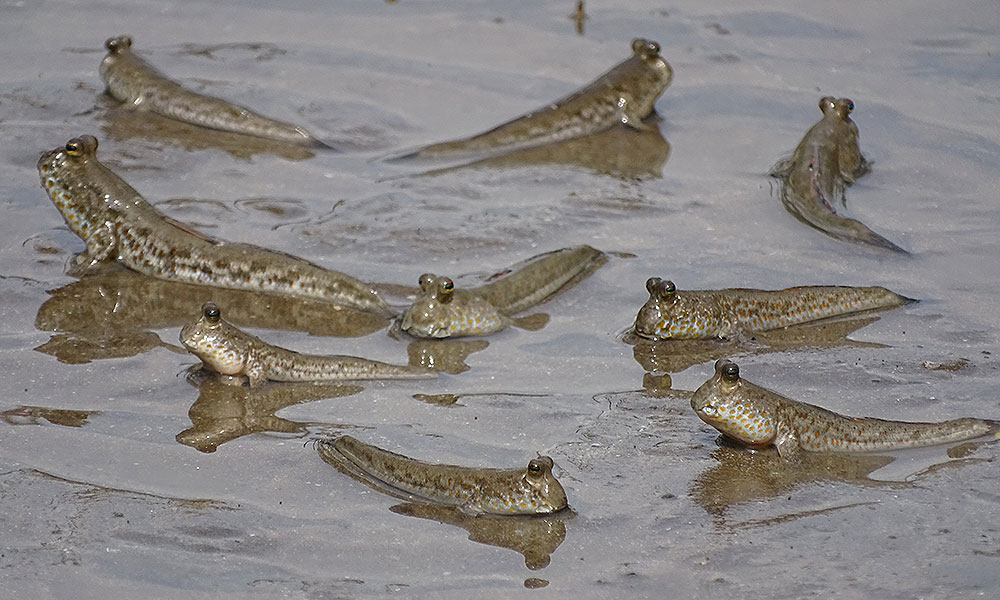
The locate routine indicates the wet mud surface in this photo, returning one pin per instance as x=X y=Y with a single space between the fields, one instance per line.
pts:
x=125 y=472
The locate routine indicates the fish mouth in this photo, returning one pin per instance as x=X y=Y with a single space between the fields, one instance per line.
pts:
x=431 y=332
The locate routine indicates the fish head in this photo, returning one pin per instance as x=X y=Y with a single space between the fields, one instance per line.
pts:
x=653 y=319
x=215 y=341
x=116 y=47
x=440 y=287
x=65 y=177
x=118 y=44
x=645 y=48
x=658 y=74
x=668 y=314
x=735 y=407
x=839 y=109
x=430 y=316
x=543 y=485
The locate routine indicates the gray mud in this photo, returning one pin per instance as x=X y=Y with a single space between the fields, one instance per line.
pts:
x=120 y=478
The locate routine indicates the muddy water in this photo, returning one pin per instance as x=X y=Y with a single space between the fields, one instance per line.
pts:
x=120 y=478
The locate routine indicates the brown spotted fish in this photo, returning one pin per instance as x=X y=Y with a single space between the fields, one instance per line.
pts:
x=757 y=417
x=826 y=161
x=703 y=314
x=440 y=310
x=132 y=80
x=236 y=355
x=118 y=224
x=623 y=95
x=527 y=490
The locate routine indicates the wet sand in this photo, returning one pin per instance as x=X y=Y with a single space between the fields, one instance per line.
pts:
x=121 y=479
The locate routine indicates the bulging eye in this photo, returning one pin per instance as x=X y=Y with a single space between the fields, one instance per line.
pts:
x=73 y=147
x=850 y=106
x=211 y=312
x=534 y=467
x=117 y=44
x=731 y=372
x=448 y=286
x=668 y=287
x=645 y=47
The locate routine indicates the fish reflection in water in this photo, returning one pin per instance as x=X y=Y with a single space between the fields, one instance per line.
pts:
x=82 y=348
x=743 y=476
x=124 y=123
x=450 y=399
x=674 y=356
x=110 y=314
x=535 y=537
x=34 y=415
x=223 y=412
x=446 y=356
x=619 y=151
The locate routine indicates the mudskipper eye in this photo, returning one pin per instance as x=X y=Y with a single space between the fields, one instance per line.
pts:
x=447 y=286
x=118 y=43
x=534 y=467
x=211 y=312
x=73 y=147
x=731 y=371
x=645 y=47
x=850 y=106
x=668 y=287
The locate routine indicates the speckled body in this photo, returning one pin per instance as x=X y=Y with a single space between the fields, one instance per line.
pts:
x=119 y=224
x=540 y=277
x=703 y=314
x=625 y=95
x=755 y=416
x=826 y=161
x=132 y=80
x=530 y=490
x=237 y=355
x=440 y=310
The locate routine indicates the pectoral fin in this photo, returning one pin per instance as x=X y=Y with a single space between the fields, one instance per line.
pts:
x=630 y=117
x=787 y=443
x=101 y=245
